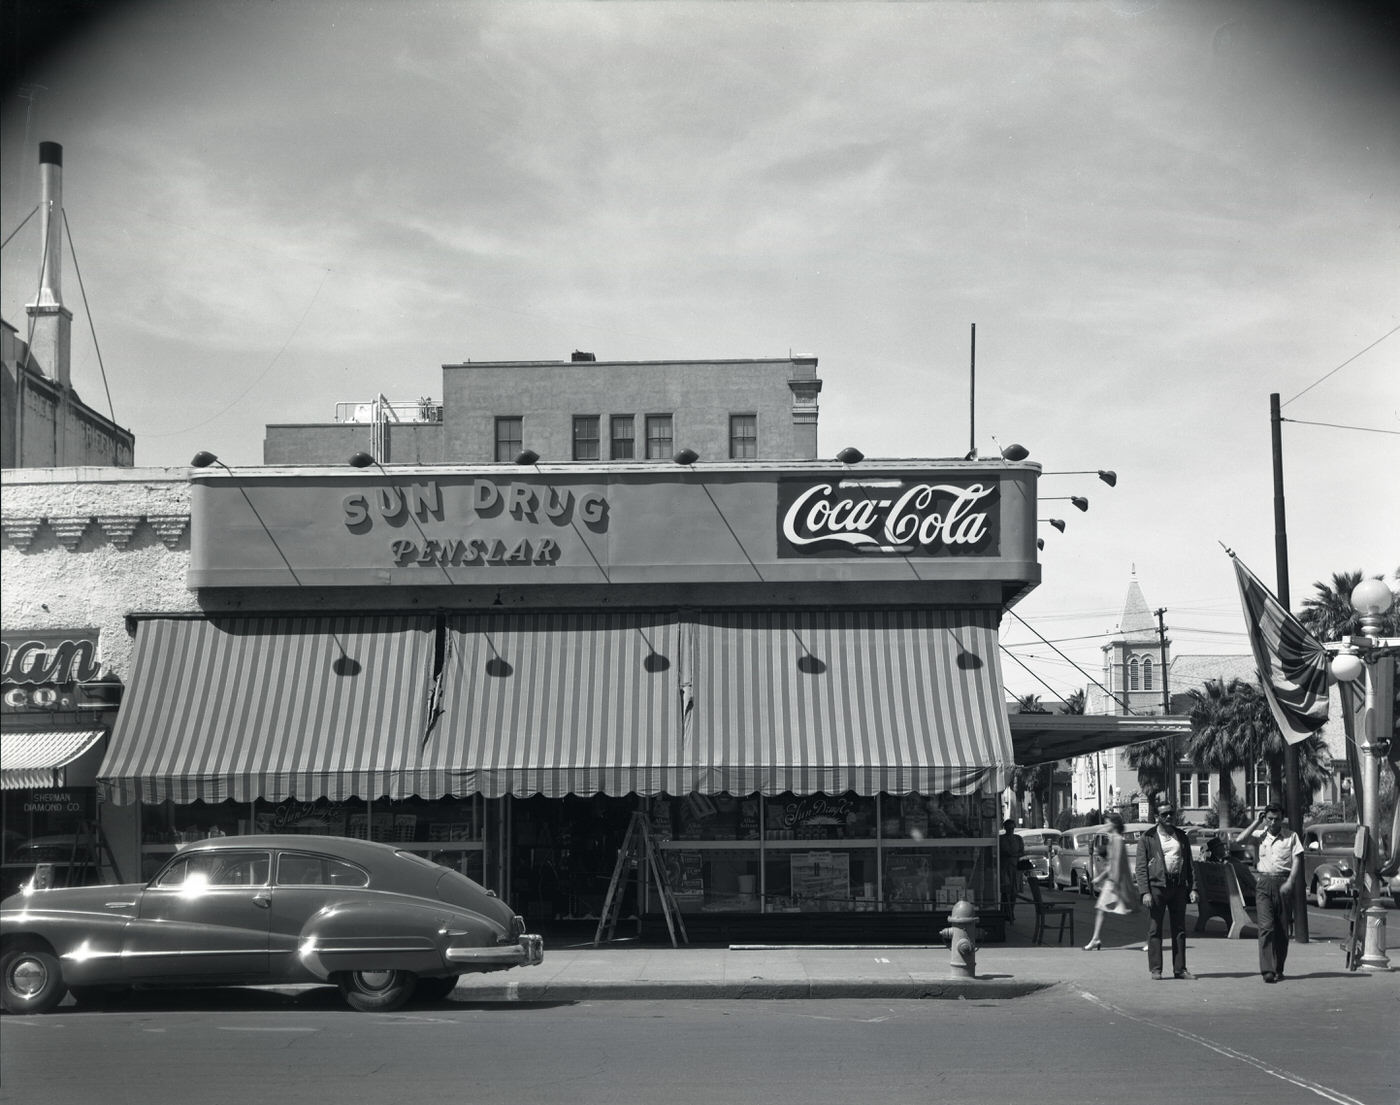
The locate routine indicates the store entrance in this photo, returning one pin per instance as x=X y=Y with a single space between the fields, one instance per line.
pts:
x=563 y=854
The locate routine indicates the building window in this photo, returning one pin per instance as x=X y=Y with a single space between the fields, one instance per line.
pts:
x=1194 y=790
x=510 y=437
x=586 y=437
x=1256 y=786
x=624 y=437
x=1133 y=674
x=743 y=437
x=1147 y=675
x=660 y=445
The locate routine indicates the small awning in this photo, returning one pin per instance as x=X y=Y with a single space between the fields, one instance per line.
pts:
x=555 y=704
x=37 y=759
x=1043 y=738
x=884 y=700
x=273 y=708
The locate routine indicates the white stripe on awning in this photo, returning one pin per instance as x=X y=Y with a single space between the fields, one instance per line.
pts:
x=35 y=759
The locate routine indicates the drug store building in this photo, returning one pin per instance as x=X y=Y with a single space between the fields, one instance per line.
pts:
x=790 y=664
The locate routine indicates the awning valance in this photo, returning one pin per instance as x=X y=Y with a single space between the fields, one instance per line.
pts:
x=870 y=701
x=37 y=759
x=1043 y=738
x=272 y=707
x=554 y=704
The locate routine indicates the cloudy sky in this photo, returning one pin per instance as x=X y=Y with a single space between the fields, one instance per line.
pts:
x=1155 y=214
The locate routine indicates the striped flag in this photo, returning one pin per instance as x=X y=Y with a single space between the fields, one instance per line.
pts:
x=1293 y=665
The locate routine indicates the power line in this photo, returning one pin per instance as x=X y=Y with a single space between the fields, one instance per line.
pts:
x=1338 y=426
x=1345 y=363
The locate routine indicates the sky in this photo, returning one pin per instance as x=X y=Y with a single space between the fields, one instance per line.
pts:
x=1154 y=214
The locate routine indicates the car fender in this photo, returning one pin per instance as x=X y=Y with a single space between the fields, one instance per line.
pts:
x=84 y=926
x=360 y=935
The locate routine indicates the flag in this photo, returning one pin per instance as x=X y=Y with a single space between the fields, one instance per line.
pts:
x=1293 y=665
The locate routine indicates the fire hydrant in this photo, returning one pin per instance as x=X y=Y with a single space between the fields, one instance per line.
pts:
x=962 y=962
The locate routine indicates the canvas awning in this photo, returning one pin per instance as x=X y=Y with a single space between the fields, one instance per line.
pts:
x=885 y=700
x=37 y=759
x=1043 y=738
x=555 y=704
x=273 y=708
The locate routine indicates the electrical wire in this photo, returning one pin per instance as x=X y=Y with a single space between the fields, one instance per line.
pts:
x=1345 y=363
x=1338 y=426
x=1081 y=671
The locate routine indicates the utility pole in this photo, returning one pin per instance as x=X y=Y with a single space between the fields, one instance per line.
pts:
x=1172 y=795
x=1290 y=754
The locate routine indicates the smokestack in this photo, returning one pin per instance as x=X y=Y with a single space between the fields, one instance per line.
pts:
x=50 y=322
x=51 y=226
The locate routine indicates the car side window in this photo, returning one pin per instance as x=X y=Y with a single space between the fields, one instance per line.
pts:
x=217 y=869
x=297 y=869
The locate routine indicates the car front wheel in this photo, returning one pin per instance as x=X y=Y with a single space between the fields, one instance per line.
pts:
x=376 y=991
x=1320 y=896
x=31 y=981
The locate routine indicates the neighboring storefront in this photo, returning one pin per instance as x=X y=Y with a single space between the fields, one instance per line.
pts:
x=791 y=667
x=57 y=711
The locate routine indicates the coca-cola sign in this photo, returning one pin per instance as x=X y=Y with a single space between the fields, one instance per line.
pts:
x=895 y=516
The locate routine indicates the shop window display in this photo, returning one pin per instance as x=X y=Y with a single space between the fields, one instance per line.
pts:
x=826 y=853
x=48 y=825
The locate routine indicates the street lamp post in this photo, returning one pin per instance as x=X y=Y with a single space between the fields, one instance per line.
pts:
x=1374 y=656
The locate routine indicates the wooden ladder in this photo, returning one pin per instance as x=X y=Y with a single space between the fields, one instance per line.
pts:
x=639 y=850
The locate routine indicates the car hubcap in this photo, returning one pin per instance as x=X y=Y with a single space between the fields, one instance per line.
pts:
x=374 y=980
x=28 y=977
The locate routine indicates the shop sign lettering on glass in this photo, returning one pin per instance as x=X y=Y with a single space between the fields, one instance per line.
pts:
x=890 y=517
x=480 y=523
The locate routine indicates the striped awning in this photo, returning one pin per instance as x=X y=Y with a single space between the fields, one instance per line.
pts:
x=869 y=701
x=555 y=704
x=273 y=708
x=37 y=759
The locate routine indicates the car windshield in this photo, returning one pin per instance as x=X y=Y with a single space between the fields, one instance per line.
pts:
x=1337 y=839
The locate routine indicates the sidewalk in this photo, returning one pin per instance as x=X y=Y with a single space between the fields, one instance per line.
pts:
x=629 y=970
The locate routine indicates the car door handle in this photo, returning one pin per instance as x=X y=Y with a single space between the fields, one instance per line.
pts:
x=262 y=901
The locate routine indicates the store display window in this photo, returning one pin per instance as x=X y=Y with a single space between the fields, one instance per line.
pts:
x=48 y=825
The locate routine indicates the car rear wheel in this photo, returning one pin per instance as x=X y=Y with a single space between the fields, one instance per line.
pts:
x=31 y=981
x=376 y=991
x=1320 y=896
x=434 y=989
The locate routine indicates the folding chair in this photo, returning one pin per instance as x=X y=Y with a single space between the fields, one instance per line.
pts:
x=1050 y=910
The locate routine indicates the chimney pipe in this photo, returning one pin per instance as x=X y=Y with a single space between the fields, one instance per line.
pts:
x=50 y=342
x=51 y=226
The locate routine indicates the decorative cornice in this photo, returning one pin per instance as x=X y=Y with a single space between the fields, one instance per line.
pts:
x=169 y=527
x=69 y=530
x=20 y=532
x=119 y=528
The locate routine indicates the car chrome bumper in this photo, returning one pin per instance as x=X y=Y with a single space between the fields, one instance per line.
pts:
x=529 y=952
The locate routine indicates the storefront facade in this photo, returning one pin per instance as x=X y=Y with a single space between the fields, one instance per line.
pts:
x=792 y=668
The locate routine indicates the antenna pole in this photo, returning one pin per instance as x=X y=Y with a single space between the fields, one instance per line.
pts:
x=972 y=398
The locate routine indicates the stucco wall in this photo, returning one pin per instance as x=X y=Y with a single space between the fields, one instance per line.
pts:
x=85 y=547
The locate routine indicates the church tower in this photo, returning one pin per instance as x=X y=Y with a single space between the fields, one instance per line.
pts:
x=1133 y=659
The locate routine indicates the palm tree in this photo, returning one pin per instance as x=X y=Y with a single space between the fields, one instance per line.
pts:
x=1226 y=732
x=1030 y=704
x=1314 y=760
x=1076 y=703
x=1153 y=762
x=1328 y=613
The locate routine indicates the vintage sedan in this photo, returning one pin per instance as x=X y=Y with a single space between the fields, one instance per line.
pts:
x=1035 y=859
x=383 y=924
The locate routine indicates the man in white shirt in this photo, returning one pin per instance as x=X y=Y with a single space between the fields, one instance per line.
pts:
x=1279 y=868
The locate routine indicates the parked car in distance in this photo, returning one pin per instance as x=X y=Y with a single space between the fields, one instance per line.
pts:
x=1199 y=836
x=383 y=924
x=1038 y=843
x=1070 y=858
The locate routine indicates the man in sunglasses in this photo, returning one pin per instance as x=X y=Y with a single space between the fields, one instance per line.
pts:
x=1280 y=866
x=1166 y=881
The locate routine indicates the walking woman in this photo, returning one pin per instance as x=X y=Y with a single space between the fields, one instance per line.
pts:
x=1117 y=895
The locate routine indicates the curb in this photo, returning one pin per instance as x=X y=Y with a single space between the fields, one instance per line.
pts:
x=750 y=989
